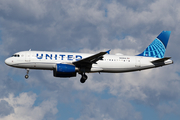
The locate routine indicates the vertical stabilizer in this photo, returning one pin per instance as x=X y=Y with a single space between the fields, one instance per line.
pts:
x=158 y=47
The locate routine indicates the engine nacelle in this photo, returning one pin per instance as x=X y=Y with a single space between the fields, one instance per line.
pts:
x=64 y=70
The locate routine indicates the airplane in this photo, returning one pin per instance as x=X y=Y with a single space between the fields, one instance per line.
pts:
x=67 y=64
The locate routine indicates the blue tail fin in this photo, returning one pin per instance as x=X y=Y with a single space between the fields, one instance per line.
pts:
x=158 y=47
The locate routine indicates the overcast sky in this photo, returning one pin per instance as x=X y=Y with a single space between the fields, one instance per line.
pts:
x=90 y=26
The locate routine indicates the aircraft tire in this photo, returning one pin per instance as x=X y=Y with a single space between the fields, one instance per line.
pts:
x=26 y=76
x=83 y=78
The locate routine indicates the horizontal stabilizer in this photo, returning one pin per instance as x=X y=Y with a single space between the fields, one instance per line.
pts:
x=160 y=60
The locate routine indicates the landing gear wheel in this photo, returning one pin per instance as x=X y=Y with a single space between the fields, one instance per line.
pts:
x=26 y=76
x=83 y=78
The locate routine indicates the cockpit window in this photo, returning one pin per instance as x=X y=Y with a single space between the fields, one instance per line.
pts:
x=15 y=55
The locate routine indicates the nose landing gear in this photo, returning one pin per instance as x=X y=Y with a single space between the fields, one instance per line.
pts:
x=83 y=78
x=27 y=76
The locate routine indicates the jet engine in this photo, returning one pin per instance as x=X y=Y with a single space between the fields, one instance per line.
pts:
x=64 y=70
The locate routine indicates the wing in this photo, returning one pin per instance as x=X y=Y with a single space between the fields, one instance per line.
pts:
x=87 y=62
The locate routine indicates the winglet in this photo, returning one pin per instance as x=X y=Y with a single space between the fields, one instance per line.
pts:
x=108 y=52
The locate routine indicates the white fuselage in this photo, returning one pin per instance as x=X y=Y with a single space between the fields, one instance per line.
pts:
x=110 y=63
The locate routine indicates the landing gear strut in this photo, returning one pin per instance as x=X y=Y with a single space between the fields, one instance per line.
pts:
x=83 y=78
x=27 y=76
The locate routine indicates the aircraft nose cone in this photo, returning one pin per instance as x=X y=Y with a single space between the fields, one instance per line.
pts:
x=8 y=61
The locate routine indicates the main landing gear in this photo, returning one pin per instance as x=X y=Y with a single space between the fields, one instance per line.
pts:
x=83 y=78
x=27 y=76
